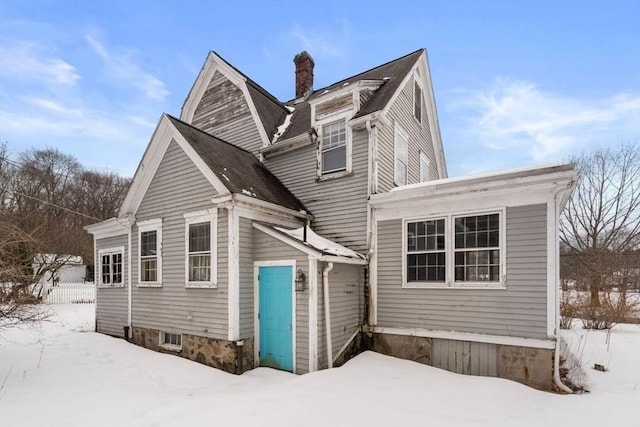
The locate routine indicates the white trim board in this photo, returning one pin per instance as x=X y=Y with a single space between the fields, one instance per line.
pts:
x=466 y=336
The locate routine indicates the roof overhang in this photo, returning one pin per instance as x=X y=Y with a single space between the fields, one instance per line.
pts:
x=308 y=248
x=516 y=187
x=244 y=201
x=110 y=227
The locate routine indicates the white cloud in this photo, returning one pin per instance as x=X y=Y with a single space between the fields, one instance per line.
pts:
x=121 y=67
x=323 y=43
x=518 y=115
x=28 y=61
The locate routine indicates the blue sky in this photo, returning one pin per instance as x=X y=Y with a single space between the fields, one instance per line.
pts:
x=516 y=82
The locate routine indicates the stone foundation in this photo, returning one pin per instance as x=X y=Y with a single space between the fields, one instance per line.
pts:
x=234 y=357
x=526 y=365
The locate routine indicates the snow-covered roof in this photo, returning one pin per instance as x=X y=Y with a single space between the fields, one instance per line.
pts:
x=319 y=243
x=54 y=258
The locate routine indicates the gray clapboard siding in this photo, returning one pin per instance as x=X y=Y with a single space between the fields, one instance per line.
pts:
x=266 y=248
x=112 y=303
x=224 y=112
x=346 y=302
x=338 y=205
x=519 y=310
x=179 y=187
x=401 y=112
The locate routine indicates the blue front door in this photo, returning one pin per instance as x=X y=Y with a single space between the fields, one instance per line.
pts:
x=275 y=317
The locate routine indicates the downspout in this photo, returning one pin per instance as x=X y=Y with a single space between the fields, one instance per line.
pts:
x=327 y=312
x=556 y=361
x=129 y=291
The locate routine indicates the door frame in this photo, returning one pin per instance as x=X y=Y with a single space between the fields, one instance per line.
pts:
x=256 y=306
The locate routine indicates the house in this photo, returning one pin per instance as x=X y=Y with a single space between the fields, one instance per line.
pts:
x=57 y=268
x=297 y=234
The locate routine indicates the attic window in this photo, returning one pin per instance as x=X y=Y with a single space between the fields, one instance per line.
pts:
x=334 y=147
x=417 y=101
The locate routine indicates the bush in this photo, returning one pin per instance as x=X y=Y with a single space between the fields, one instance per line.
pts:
x=615 y=307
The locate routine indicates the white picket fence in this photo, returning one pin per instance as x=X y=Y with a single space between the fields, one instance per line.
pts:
x=70 y=293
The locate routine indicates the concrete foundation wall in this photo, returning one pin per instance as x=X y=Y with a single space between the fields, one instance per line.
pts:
x=221 y=354
x=526 y=365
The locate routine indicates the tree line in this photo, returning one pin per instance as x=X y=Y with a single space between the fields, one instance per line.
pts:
x=46 y=198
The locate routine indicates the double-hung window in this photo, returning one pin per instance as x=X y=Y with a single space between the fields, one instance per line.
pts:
x=150 y=256
x=455 y=251
x=401 y=154
x=333 y=147
x=111 y=272
x=200 y=244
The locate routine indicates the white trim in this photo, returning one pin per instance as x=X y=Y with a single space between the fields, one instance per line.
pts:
x=234 y=274
x=144 y=226
x=553 y=276
x=399 y=133
x=327 y=120
x=373 y=272
x=467 y=336
x=129 y=278
x=417 y=82
x=313 y=314
x=210 y=216
x=95 y=276
x=432 y=117
x=109 y=228
x=449 y=229
x=256 y=298
x=111 y=251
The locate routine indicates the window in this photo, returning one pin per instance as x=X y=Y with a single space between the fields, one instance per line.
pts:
x=456 y=250
x=417 y=101
x=477 y=248
x=171 y=341
x=333 y=150
x=401 y=142
x=424 y=167
x=200 y=244
x=111 y=267
x=426 y=256
x=150 y=257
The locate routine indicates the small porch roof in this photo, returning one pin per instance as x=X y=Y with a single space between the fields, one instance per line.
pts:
x=313 y=244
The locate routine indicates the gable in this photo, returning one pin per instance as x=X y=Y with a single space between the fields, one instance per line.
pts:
x=164 y=134
x=228 y=105
x=177 y=181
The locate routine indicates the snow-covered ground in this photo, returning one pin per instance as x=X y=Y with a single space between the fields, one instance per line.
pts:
x=61 y=374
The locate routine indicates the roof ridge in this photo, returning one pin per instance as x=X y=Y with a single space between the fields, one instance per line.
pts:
x=253 y=83
x=208 y=134
x=363 y=72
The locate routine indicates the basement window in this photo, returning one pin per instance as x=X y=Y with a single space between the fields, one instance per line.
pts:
x=171 y=341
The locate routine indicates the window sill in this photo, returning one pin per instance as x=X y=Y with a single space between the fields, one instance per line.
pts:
x=200 y=285
x=334 y=175
x=476 y=286
x=169 y=347
x=150 y=285
x=110 y=286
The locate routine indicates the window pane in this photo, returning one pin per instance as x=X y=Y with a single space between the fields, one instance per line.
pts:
x=199 y=268
x=334 y=134
x=116 y=261
x=334 y=160
x=148 y=269
x=148 y=243
x=417 y=102
x=106 y=269
x=199 y=237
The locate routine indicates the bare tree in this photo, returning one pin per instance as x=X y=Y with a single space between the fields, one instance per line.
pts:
x=600 y=225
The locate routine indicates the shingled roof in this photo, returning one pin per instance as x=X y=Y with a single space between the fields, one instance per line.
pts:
x=392 y=73
x=238 y=169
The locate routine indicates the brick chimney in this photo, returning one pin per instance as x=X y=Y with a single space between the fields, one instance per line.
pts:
x=304 y=74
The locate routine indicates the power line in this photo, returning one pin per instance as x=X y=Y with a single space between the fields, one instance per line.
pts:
x=57 y=206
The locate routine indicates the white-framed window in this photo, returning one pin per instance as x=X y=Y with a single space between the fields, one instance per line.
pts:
x=150 y=253
x=401 y=155
x=417 y=100
x=334 y=148
x=171 y=341
x=424 y=167
x=457 y=250
x=111 y=267
x=200 y=249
